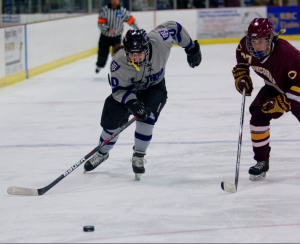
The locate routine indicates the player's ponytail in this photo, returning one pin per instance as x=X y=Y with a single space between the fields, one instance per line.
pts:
x=276 y=37
x=116 y=49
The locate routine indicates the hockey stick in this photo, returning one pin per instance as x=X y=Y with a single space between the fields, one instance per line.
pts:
x=13 y=190
x=233 y=187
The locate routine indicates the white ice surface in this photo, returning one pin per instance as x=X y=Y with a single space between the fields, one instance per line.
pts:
x=51 y=121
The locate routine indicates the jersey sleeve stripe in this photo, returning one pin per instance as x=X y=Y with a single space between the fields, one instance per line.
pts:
x=293 y=97
x=178 y=32
x=294 y=93
x=190 y=45
x=296 y=89
x=127 y=94
x=118 y=88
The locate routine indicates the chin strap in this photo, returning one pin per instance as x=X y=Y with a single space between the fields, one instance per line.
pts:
x=132 y=63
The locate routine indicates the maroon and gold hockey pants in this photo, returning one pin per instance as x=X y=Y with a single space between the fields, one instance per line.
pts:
x=260 y=123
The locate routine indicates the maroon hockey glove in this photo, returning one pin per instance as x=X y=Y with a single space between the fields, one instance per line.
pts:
x=277 y=106
x=242 y=79
x=136 y=107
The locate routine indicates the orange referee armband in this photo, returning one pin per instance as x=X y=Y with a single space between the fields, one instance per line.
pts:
x=131 y=20
x=101 y=21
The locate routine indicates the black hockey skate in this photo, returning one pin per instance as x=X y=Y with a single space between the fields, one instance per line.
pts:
x=258 y=171
x=138 y=162
x=95 y=161
x=97 y=70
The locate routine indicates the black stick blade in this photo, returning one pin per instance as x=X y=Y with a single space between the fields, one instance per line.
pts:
x=228 y=187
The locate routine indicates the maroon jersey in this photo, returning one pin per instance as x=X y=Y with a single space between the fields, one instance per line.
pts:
x=280 y=69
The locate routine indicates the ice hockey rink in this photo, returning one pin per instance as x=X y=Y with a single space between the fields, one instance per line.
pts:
x=49 y=122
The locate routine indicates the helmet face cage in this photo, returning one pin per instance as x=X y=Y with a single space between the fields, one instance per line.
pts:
x=259 y=29
x=259 y=54
x=135 y=54
x=136 y=42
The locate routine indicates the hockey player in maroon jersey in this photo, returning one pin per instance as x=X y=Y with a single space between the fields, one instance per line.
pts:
x=278 y=63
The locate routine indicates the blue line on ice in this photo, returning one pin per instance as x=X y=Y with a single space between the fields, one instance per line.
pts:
x=126 y=144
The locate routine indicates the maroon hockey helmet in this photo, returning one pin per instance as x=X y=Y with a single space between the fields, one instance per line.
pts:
x=260 y=28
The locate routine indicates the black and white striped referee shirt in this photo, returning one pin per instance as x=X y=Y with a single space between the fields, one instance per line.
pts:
x=114 y=19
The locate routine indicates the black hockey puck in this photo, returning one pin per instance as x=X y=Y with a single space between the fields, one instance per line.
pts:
x=88 y=228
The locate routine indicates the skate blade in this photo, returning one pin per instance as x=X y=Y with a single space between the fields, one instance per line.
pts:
x=138 y=177
x=257 y=177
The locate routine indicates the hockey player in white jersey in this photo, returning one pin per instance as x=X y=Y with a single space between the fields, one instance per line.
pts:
x=138 y=86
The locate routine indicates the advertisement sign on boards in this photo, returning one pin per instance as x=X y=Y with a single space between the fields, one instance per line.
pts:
x=227 y=22
x=285 y=18
x=9 y=19
x=14 y=50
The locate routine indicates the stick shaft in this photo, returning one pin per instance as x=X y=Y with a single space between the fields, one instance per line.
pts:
x=81 y=161
x=240 y=139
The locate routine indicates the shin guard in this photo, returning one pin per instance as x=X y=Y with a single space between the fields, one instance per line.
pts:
x=143 y=134
x=260 y=136
x=104 y=135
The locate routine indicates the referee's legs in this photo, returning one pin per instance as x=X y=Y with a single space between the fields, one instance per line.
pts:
x=103 y=51
x=116 y=41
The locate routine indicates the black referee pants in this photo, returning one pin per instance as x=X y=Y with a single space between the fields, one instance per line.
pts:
x=104 y=44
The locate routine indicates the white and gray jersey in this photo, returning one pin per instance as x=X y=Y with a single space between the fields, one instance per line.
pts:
x=126 y=80
x=114 y=19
